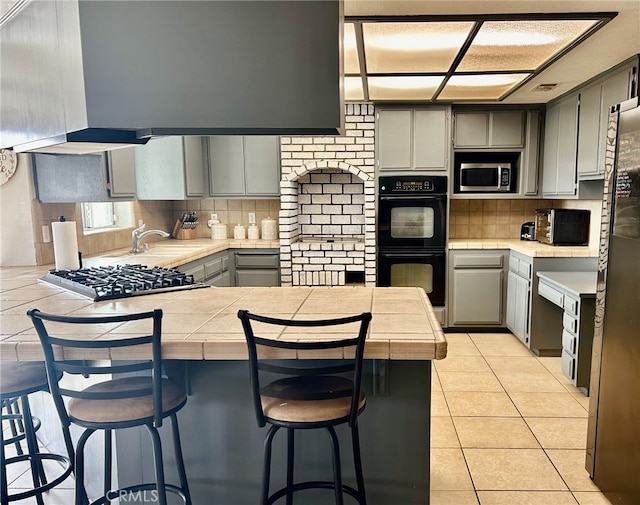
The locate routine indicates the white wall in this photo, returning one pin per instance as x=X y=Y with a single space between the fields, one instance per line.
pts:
x=16 y=229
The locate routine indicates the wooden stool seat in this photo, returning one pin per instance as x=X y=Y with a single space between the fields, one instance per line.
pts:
x=137 y=410
x=22 y=377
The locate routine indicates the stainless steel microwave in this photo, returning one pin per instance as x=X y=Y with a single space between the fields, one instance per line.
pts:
x=486 y=178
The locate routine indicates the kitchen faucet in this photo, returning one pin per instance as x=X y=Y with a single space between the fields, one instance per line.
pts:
x=138 y=234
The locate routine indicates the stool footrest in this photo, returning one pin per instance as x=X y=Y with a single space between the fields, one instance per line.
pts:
x=134 y=490
x=44 y=487
x=313 y=484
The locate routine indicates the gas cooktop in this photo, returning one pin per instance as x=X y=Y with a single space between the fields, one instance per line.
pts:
x=121 y=281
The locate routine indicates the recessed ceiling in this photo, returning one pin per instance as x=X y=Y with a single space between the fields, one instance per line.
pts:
x=461 y=58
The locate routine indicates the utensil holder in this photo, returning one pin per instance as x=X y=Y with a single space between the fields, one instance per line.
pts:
x=184 y=233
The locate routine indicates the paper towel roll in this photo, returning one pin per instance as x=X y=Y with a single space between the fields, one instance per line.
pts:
x=65 y=245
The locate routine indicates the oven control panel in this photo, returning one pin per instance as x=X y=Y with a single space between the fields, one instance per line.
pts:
x=412 y=184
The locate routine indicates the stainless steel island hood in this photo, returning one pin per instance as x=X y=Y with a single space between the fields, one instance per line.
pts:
x=86 y=75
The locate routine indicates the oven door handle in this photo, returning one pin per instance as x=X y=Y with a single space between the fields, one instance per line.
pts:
x=430 y=196
x=411 y=255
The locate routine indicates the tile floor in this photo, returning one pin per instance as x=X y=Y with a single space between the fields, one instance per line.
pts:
x=507 y=429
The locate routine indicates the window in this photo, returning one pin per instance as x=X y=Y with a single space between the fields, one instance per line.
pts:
x=105 y=216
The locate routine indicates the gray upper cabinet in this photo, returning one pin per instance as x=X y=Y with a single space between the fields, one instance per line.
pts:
x=70 y=178
x=413 y=139
x=170 y=168
x=490 y=129
x=560 y=144
x=595 y=102
x=244 y=166
x=121 y=174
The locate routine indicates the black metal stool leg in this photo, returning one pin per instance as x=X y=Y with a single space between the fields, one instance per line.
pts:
x=177 y=449
x=108 y=461
x=81 y=494
x=357 y=461
x=266 y=468
x=158 y=464
x=4 y=491
x=37 y=470
x=12 y=408
x=290 y=463
x=337 y=471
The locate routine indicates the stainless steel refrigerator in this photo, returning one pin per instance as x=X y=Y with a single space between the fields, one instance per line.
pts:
x=613 y=445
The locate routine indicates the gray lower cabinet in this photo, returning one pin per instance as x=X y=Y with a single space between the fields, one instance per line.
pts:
x=529 y=316
x=518 y=294
x=256 y=267
x=213 y=270
x=574 y=295
x=476 y=287
x=244 y=166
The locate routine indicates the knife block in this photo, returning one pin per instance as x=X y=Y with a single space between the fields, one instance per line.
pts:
x=183 y=233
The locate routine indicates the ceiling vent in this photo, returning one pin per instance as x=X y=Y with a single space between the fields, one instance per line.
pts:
x=545 y=87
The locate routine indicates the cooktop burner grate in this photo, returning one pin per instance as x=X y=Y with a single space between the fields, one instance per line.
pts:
x=111 y=282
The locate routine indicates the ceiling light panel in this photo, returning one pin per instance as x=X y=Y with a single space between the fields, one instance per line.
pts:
x=350 y=48
x=479 y=86
x=353 y=89
x=520 y=45
x=413 y=47
x=403 y=87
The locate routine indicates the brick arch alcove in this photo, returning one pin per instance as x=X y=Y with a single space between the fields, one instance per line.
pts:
x=327 y=205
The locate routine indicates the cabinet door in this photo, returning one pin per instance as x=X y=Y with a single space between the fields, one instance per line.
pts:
x=589 y=131
x=430 y=139
x=262 y=166
x=259 y=278
x=531 y=154
x=160 y=169
x=394 y=139
x=121 y=173
x=567 y=147
x=471 y=129
x=226 y=165
x=506 y=129
x=518 y=306
x=550 y=158
x=477 y=296
x=194 y=166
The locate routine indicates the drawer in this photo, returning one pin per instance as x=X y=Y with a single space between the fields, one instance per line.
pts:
x=551 y=294
x=197 y=272
x=571 y=305
x=257 y=260
x=524 y=269
x=568 y=365
x=213 y=268
x=569 y=342
x=513 y=264
x=477 y=261
x=570 y=323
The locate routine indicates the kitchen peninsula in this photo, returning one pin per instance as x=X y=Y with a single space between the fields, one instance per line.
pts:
x=205 y=348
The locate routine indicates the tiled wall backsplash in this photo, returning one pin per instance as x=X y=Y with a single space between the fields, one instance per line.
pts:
x=160 y=215
x=501 y=219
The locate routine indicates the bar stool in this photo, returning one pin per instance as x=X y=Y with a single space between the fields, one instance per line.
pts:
x=142 y=397
x=310 y=395
x=17 y=381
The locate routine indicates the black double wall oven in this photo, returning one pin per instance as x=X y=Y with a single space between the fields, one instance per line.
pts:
x=411 y=233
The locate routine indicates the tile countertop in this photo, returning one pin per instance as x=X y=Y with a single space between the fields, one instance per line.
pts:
x=529 y=248
x=202 y=323
x=172 y=253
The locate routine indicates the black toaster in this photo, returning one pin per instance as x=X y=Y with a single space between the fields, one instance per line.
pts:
x=528 y=231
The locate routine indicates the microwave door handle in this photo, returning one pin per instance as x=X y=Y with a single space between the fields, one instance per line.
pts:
x=499 y=168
